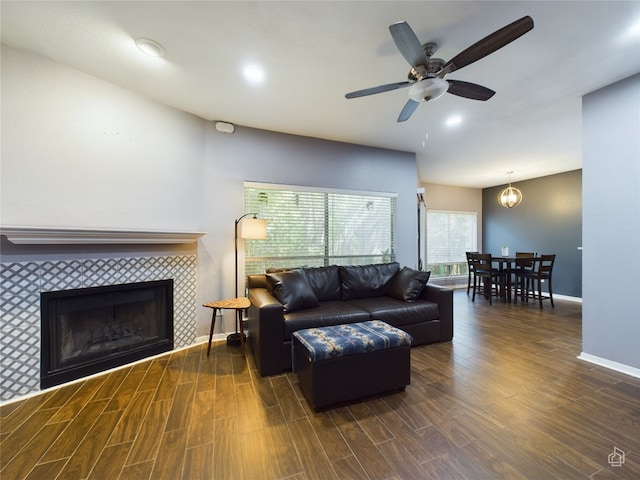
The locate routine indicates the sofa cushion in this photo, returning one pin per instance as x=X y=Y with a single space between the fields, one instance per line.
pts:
x=325 y=282
x=335 y=312
x=365 y=281
x=292 y=290
x=398 y=312
x=408 y=284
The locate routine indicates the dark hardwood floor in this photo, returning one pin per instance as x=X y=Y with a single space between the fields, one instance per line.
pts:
x=506 y=399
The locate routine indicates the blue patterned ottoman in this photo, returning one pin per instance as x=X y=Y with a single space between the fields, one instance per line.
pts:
x=345 y=362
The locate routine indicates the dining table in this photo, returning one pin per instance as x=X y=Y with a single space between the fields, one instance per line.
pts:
x=510 y=264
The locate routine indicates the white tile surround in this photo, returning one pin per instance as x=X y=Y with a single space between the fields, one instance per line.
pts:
x=22 y=282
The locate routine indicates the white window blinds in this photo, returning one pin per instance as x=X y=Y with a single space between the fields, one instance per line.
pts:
x=312 y=227
x=449 y=236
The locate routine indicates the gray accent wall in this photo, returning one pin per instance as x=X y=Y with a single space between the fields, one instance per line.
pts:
x=611 y=215
x=548 y=221
x=262 y=156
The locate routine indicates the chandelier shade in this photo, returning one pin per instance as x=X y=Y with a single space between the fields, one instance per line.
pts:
x=510 y=197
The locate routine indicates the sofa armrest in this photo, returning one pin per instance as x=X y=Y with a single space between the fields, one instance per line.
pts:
x=257 y=281
x=266 y=330
x=443 y=296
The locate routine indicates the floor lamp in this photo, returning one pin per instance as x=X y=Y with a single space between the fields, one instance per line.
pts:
x=248 y=229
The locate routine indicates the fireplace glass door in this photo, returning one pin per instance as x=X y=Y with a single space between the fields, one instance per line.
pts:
x=85 y=331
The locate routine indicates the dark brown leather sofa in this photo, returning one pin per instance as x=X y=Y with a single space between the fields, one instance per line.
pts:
x=283 y=302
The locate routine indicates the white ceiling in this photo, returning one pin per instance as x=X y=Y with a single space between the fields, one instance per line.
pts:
x=315 y=52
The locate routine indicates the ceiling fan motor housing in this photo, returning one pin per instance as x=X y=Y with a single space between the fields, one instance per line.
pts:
x=428 y=89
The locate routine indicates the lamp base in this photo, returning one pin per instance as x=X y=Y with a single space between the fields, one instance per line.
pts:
x=233 y=339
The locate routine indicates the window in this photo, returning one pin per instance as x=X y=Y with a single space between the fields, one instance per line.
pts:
x=449 y=236
x=315 y=227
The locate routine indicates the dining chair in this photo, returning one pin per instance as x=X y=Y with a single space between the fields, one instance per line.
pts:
x=524 y=264
x=493 y=280
x=542 y=272
x=470 y=272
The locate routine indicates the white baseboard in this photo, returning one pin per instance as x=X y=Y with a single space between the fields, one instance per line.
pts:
x=441 y=281
x=603 y=362
x=567 y=297
x=216 y=338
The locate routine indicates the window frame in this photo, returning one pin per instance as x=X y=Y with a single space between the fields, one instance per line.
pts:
x=258 y=263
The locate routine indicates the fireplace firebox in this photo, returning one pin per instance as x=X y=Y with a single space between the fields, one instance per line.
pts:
x=89 y=330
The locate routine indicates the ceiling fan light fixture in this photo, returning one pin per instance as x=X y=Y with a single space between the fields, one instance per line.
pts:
x=428 y=89
x=426 y=77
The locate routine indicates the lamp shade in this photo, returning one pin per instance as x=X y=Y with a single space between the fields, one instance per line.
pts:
x=253 y=228
x=510 y=197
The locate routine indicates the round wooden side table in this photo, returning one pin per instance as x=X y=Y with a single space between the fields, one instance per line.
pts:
x=237 y=304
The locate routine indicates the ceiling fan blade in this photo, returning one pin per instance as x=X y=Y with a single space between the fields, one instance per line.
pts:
x=378 y=89
x=408 y=110
x=408 y=44
x=469 y=90
x=490 y=44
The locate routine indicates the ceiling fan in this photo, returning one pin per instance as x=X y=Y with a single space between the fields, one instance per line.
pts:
x=426 y=77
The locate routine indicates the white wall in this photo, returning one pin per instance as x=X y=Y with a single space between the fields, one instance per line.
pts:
x=611 y=225
x=81 y=152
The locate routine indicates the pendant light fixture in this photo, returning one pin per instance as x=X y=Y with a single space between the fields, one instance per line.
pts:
x=510 y=196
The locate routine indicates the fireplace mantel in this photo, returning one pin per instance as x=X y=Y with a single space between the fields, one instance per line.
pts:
x=94 y=236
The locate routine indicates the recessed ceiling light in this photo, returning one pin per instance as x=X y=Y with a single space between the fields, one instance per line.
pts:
x=150 y=47
x=453 y=121
x=253 y=74
x=630 y=35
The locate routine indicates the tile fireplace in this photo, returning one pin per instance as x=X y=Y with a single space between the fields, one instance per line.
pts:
x=23 y=283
